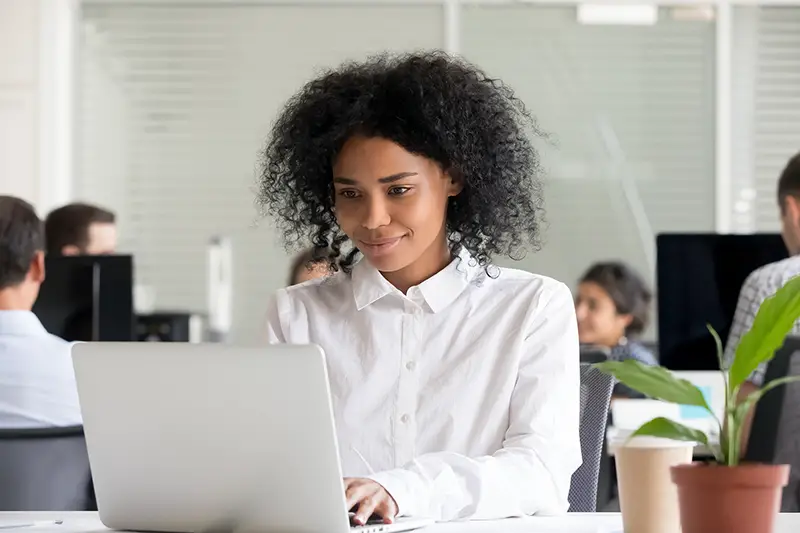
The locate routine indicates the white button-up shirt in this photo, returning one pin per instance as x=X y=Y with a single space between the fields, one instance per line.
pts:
x=463 y=394
x=37 y=383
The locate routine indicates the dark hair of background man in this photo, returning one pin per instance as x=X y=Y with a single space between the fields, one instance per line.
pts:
x=69 y=225
x=789 y=181
x=21 y=236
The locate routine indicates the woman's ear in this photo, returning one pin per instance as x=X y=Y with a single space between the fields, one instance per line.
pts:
x=624 y=321
x=454 y=183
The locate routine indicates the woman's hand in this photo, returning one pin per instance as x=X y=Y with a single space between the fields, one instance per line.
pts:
x=370 y=498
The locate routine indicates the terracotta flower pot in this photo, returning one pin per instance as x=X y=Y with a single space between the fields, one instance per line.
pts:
x=721 y=499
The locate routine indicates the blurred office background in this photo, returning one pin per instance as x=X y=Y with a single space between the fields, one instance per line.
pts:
x=662 y=118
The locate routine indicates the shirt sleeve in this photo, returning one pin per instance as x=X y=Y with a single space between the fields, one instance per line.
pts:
x=274 y=332
x=532 y=471
x=750 y=299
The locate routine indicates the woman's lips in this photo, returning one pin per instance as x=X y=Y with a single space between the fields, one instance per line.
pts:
x=380 y=246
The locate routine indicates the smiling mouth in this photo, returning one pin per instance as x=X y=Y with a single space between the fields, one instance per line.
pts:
x=380 y=247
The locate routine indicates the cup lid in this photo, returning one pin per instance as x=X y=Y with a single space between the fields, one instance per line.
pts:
x=653 y=442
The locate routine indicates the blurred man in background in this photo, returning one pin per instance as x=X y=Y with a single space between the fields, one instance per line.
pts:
x=766 y=281
x=37 y=384
x=81 y=229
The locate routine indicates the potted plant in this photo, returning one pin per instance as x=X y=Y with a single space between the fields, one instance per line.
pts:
x=723 y=494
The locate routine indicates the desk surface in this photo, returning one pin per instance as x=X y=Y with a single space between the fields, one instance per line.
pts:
x=572 y=523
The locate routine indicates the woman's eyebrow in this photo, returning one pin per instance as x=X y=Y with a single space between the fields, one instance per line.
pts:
x=387 y=179
x=396 y=177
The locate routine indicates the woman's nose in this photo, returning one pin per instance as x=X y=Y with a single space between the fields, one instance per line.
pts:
x=375 y=214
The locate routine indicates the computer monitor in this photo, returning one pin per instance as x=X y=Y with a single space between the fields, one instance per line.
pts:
x=699 y=277
x=87 y=298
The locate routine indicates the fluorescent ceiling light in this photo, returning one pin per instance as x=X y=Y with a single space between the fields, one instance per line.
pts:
x=628 y=15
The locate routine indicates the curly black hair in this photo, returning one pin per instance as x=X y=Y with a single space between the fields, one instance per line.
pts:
x=431 y=104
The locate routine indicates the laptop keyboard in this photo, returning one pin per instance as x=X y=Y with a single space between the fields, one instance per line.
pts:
x=374 y=524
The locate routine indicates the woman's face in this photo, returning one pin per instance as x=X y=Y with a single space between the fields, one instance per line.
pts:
x=598 y=320
x=391 y=203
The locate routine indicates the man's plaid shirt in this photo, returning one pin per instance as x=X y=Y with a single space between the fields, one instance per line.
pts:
x=759 y=285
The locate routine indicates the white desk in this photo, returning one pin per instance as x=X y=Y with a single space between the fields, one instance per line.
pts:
x=573 y=523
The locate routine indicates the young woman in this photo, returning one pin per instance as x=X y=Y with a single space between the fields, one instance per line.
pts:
x=455 y=383
x=613 y=309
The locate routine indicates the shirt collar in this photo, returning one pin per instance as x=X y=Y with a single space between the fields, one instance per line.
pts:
x=438 y=291
x=20 y=323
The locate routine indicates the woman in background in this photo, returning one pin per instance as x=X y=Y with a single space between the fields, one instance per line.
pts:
x=613 y=309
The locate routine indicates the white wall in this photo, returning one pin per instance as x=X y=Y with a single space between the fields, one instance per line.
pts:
x=19 y=95
x=36 y=73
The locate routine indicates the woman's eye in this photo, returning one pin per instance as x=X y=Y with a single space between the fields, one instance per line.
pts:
x=397 y=191
x=349 y=194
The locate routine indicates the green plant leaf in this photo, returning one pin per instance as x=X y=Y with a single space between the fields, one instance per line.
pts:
x=773 y=322
x=753 y=398
x=669 y=429
x=718 y=343
x=748 y=403
x=655 y=382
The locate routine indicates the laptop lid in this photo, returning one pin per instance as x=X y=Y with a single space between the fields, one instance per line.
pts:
x=187 y=437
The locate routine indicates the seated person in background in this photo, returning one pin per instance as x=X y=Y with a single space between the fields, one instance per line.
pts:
x=306 y=267
x=455 y=383
x=613 y=308
x=81 y=229
x=37 y=384
x=766 y=281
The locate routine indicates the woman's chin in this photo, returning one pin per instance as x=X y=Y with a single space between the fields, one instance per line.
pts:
x=386 y=263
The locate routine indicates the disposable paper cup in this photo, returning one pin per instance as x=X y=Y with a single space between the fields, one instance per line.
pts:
x=648 y=498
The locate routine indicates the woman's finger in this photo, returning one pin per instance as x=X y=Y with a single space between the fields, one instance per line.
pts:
x=386 y=509
x=355 y=493
x=366 y=506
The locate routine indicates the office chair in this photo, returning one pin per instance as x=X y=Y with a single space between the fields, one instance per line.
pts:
x=593 y=353
x=775 y=433
x=44 y=469
x=595 y=396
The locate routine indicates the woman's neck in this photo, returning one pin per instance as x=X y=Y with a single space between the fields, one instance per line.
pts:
x=432 y=261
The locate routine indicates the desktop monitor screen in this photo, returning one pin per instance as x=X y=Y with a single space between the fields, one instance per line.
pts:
x=87 y=298
x=699 y=279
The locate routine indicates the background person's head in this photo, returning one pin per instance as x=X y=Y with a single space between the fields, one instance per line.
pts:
x=408 y=158
x=21 y=254
x=613 y=302
x=306 y=267
x=81 y=229
x=789 y=202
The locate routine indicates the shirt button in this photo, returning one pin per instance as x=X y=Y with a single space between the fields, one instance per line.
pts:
x=411 y=365
x=404 y=419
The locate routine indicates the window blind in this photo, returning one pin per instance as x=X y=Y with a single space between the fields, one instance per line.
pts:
x=630 y=114
x=175 y=102
x=776 y=105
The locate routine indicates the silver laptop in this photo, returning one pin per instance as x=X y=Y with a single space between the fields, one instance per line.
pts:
x=213 y=439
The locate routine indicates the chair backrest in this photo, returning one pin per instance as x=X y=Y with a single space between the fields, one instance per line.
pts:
x=775 y=433
x=592 y=353
x=44 y=469
x=595 y=396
